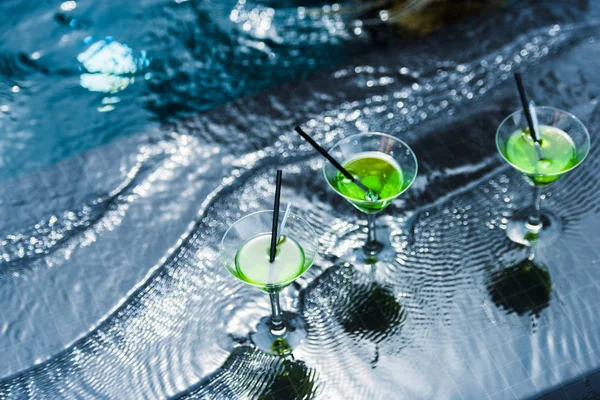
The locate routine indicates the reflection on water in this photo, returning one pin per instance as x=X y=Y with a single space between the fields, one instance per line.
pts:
x=296 y=21
x=524 y=288
x=426 y=16
x=110 y=66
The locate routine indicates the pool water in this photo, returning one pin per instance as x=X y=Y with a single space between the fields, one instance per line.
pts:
x=76 y=75
x=111 y=285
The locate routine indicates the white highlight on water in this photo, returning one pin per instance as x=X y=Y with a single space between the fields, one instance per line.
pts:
x=280 y=234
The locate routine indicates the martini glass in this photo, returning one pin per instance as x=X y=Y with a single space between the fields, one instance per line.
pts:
x=565 y=142
x=245 y=251
x=384 y=164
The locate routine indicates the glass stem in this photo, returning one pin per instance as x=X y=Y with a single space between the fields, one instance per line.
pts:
x=277 y=325
x=534 y=220
x=371 y=231
x=372 y=247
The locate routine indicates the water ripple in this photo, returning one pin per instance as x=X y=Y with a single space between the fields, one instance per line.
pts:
x=184 y=331
x=73 y=228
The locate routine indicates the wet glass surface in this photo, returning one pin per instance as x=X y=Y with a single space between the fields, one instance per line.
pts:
x=111 y=286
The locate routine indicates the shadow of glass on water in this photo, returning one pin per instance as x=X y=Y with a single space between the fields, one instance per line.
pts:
x=345 y=308
x=292 y=380
x=375 y=312
x=524 y=288
x=251 y=373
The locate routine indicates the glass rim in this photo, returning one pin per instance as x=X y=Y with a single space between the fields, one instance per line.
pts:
x=360 y=202
x=547 y=108
x=311 y=230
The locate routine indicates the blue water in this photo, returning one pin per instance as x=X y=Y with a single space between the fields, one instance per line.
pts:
x=110 y=281
x=76 y=75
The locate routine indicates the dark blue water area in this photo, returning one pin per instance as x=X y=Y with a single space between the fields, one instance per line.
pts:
x=76 y=75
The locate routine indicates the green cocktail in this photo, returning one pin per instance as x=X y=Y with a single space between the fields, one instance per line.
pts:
x=245 y=250
x=557 y=149
x=564 y=144
x=386 y=166
x=378 y=172
x=252 y=263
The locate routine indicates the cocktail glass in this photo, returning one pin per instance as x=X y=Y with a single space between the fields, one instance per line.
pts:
x=245 y=253
x=384 y=164
x=565 y=144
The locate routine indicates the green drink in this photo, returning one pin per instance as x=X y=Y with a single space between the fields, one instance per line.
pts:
x=378 y=172
x=557 y=149
x=564 y=144
x=245 y=250
x=252 y=262
x=386 y=167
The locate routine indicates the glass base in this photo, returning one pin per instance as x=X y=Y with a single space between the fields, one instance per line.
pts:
x=279 y=342
x=369 y=256
x=520 y=231
x=379 y=250
x=371 y=249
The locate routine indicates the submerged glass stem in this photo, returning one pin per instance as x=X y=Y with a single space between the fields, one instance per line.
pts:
x=277 y=325
x=534 y=220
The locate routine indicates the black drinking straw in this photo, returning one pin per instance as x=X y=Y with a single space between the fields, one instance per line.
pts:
x=275 y=216
x=532 y=128
x=332 y=160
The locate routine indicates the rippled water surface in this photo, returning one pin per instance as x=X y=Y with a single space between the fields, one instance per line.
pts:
x=110 y=282
x=75 y=75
